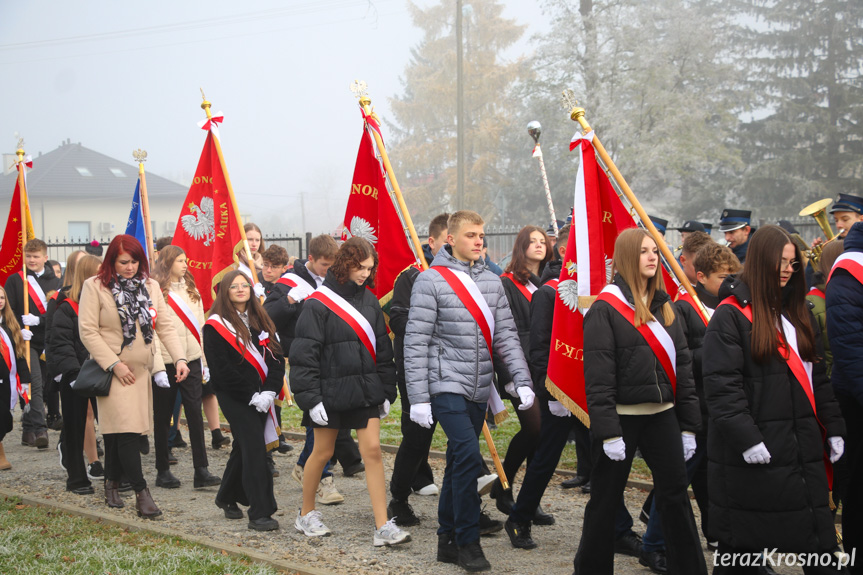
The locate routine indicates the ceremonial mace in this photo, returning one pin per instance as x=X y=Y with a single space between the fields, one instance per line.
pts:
x=535 y=129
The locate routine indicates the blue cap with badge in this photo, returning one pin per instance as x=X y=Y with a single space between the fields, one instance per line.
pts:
x=847 y=203
x=734 y=219
x=660 y=224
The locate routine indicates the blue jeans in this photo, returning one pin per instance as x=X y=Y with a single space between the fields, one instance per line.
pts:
x=459 y=505
x=307 y=450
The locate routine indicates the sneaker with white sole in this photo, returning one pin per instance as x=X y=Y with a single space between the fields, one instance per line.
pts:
x=327 y=493
x=429 y=490
x=310 y=524
x=485 y=482
x=390 y=534
x=95 y=471
x=297 y=473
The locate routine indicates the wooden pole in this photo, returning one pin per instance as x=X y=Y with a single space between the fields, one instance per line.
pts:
x=577 y=115
x=141 y=156
x=25 y=285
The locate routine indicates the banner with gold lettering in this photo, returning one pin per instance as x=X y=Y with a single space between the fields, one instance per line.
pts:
x=15 y=235
x=371 y=215
x=207 y=229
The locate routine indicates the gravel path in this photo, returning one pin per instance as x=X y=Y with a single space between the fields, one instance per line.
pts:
x=349 y=549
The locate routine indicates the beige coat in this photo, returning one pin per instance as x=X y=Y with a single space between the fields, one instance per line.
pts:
x=191 y=347
x=126 y=409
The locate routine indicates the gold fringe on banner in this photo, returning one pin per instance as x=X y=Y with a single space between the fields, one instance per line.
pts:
x=500 y=417
x=567 y=402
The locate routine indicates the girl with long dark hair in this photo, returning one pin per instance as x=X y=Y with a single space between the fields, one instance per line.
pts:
x=772 y=411
x=13 y=367
x=640 y=395
x=247 y=368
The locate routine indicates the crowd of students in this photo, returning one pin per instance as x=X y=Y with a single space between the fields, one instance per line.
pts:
x=746 y=400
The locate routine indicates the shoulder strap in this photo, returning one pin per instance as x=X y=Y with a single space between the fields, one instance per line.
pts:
x=249 y=353
x=468 y=293
x=350 y=315
x=852 y=262
x=185 y=313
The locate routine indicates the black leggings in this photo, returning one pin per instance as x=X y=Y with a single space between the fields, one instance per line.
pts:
x=123 y=459
x=523 y=444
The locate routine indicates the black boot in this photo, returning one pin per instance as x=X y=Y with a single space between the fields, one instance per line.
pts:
x=502 y=497
x=540 y=517
x=271 y=465
x=447 y=550
x=167 y=480
x=519 y=535
x=203 y=478
x=219 y=440
x=284 y=447
x=403 y=513
x=471 y=557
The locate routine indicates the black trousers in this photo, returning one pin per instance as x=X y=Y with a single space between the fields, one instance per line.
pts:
x=51 y=391
x=851 y=480
x=163 y=407
x=582 y=448
x=72 y=436
x=411 y=469
x=123 y=459
x=246 y=479
x=658 y=437
x=523 y=444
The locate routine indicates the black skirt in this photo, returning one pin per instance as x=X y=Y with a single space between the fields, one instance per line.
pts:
x=352 y=419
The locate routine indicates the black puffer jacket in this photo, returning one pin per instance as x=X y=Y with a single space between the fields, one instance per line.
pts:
x=783 y=504
x=330 y=364
x=65 y=352
x=541 y=320
x=621 y=368
x=520 y=307
x=400 y=307
x=284 y=313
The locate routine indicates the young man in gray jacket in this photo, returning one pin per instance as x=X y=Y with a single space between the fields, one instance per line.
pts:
x=458 y=314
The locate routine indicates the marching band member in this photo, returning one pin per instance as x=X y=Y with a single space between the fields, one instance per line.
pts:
x=735 y=224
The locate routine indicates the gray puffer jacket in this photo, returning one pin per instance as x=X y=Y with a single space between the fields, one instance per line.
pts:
x=444 y=348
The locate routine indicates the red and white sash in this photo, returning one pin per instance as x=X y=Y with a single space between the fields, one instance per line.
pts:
x=526 y=290
x=684 y=296
x=36 y=293
x=8 y=353
x=293 y=280
x=251 y=354
x=185 y=313
x=851 y=262
x=817 y=292
x=653 y=332
x=553 y=283
x=350 y=315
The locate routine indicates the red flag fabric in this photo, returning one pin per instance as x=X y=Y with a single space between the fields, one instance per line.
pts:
x=11 y=254
x=599 y=217
x=371 y=215
x=207 y=229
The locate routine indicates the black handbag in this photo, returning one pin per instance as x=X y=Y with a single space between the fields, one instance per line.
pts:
x=92 y=381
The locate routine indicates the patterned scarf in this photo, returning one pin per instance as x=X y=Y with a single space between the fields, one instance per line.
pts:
x=133 y=305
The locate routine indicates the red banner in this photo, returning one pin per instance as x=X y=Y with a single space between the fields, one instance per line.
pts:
x=207 y=229
x=11 y=252
x=372 y=215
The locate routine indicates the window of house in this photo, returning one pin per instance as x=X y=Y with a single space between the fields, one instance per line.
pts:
x=79 y=231
x=118 y=173
x=84 y=172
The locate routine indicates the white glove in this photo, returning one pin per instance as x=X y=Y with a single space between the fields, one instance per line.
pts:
x=266 y=400
x=30 y=319
x=206 y=374
x=319 y=414
x=615 y=449
x=557 y=409
x=421 y=414
x=296 y=294
x=837 y=448
x=526 y=395
x=384 y=408
x=510 y=389
x=757 y=454
x=259 y=290
x=161 y=379
x=688 y=445
x=58 y=378
x=26 y=334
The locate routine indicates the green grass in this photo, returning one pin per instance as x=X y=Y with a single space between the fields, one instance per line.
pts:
x=39 y=540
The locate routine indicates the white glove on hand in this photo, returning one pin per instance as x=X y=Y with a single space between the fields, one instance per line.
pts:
x=206 y=374
x=319 y=414
x=421 y=414
x=510 y=389
x=161 y=379
x=757 y=454
x=26 y=334
x=58 y=378
x=615 y=449
x=837 y=448
x=30 y=319
x=259 y=290
x=384 y=408
x=558 y=410
x=688 y=445
x=526 y=395
x=296 y=294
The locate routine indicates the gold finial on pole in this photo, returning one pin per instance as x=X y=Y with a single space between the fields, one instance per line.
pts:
x=205 y=105
x=139 y=155
x=576 y=112
x=20 y=150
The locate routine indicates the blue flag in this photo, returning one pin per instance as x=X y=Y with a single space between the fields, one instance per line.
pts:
x=135 y=224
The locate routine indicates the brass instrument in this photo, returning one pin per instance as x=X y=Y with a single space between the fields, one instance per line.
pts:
x=818 y=210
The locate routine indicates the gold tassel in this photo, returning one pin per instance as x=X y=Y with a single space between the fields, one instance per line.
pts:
x=830 y=499
x=567 y=402
x=500 y=417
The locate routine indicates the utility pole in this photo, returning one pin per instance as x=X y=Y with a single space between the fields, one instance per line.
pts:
x=303 y=209
x=460 y=105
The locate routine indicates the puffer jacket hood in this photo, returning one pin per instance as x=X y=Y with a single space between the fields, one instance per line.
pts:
x=551 y=271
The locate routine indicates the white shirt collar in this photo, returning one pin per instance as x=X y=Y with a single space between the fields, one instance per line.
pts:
x=318 y=279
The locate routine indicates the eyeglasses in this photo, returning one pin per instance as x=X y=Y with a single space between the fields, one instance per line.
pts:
x=235 y=287
x=795 y=265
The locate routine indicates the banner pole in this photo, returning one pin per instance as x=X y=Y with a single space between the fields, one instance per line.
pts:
x=141 y=157
x=25 y=285
x=577 y=115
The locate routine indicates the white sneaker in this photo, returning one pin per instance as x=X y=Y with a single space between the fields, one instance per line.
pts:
x=310 y=524
x=297 y=474
x=327 y=493
x=485 y=483
x=390 y=534
x=428 y=490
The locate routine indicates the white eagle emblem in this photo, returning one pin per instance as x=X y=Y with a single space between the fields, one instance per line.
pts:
x=567 y=291
x=360 y=228
x=201 y=223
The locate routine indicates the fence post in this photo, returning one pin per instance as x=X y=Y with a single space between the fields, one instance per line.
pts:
x=308 y=241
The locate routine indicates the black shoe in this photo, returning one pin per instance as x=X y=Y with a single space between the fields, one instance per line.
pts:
x=178 y=441
x=352 y=470
x=272 y=466
x=124 y=487
x=502 y=498
x=447 y=550
x=519 y=535
x=219 y=440
x=284 y=447
x=86 y=490
x=203 y=478
x=471 y=557
x=231 y=510
x=586 y=488
x=654 y=560
x=540 y=517
x=95 y=471
x=172 y=459
x=576 y=481
x=403 y=513
x=167 y=480
x=144 y=444
x=54 y=422
x=487 y=525
x=263 y=524
x=629 y=544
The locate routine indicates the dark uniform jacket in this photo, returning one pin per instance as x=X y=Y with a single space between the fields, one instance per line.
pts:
x=845 y=317
x=541 y=320
x=15 y=292
x=284 y=313
x=521 y=314
x=65 y=352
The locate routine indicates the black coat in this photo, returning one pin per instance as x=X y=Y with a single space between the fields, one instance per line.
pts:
x=15 y=294
x=65 y=352
x=6 y=389
x=541 y=320
x=284 y=313
x=235 y=376
x=400 y=307
x=621 y=368
x=783 y=504
x=520 y=307
x=330 y=364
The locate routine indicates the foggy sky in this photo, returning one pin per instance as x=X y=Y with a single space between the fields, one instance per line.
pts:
x=118 y=76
